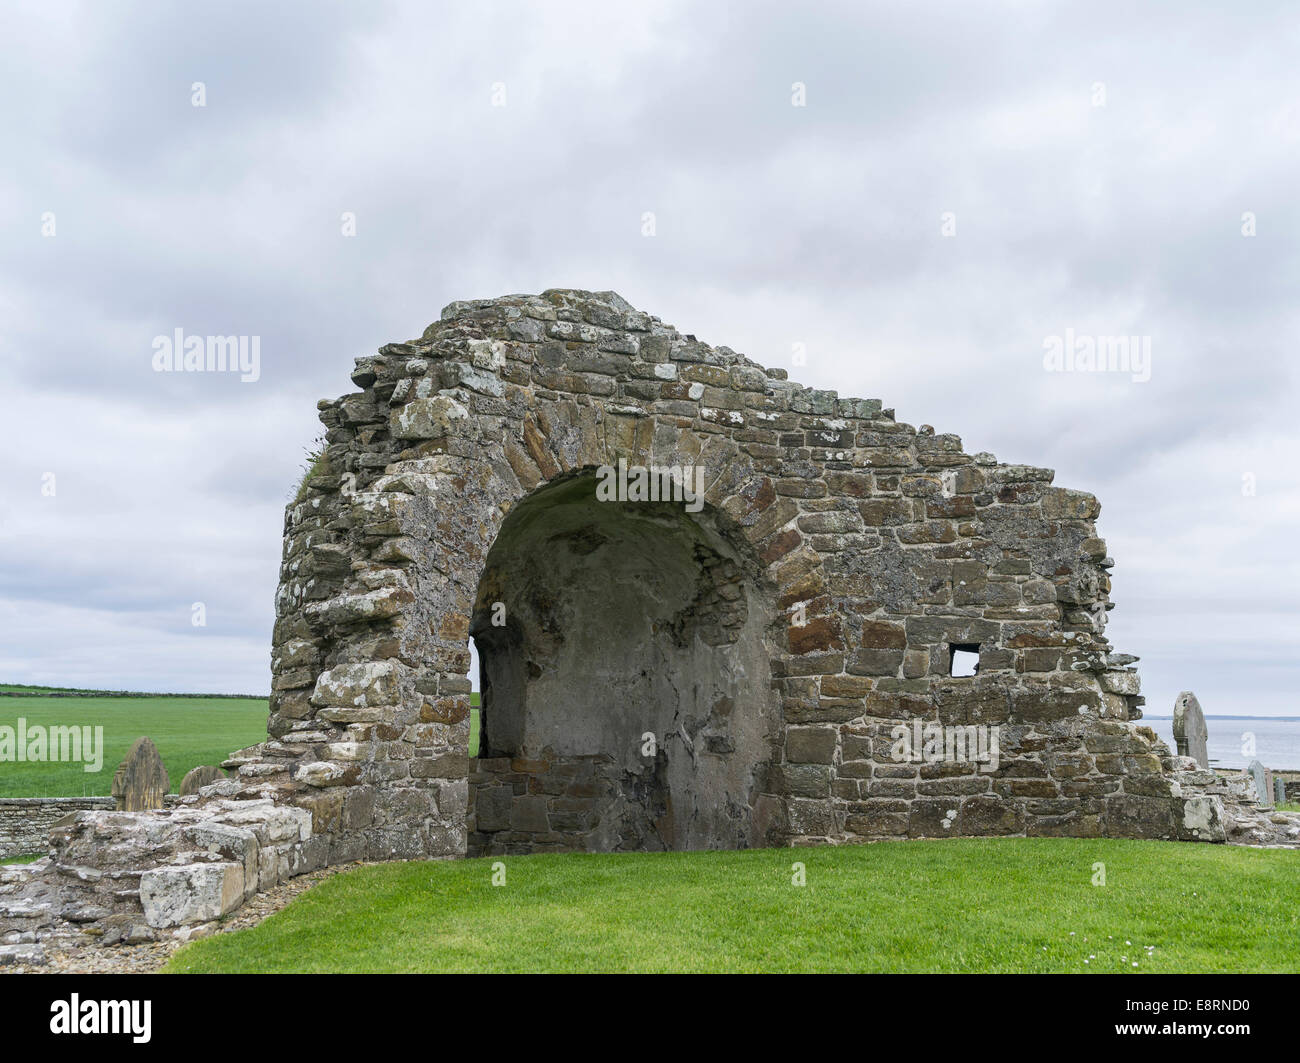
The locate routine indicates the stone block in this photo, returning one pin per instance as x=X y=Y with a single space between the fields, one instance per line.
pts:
x=810 y=745
x=191 y=893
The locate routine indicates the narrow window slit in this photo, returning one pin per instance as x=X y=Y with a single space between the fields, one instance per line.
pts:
x=964 y=658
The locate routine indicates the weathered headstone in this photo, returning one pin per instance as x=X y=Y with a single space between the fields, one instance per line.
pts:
x=1189 y=729
x=200 y=776
x=140 y=781
x=1259 y=774
x=1279 y=790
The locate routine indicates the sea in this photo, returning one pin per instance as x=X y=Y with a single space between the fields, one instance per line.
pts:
x=1276 y=739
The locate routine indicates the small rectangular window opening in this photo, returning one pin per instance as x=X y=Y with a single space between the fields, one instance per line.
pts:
x=964 y=658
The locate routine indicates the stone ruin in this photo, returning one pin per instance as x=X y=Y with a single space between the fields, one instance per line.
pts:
x=763 y=656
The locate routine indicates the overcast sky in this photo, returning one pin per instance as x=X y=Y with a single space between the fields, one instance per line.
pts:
x=962 y=183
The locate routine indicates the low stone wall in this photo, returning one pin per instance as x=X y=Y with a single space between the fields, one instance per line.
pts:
x=25 y=822
x=130 y=876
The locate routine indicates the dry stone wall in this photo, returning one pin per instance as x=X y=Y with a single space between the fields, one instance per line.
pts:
x=25 y=822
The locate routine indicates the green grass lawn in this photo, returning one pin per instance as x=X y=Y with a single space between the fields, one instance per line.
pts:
x=1006 y=905
x=187 y=732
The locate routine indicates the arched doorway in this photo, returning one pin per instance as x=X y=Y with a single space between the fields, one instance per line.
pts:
x=625 y=682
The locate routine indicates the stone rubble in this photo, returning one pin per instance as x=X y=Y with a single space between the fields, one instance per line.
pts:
x=72 y=950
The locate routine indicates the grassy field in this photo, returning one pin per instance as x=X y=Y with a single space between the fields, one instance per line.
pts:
x=28 y=688
x=187 y=732
x=25 y=688
x=963 y=905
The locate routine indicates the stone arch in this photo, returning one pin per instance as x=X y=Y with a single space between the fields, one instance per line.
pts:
x=626 y=652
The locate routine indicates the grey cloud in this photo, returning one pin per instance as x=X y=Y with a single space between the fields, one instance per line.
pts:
x=775 y=225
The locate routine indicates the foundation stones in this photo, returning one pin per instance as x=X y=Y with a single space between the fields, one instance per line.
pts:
x=190 y=893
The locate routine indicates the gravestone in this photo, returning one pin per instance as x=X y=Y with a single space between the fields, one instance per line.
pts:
x=1189 y=729
x=200 y=776
x=1259 y=775
x=140 y=781
x=1279 y=790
